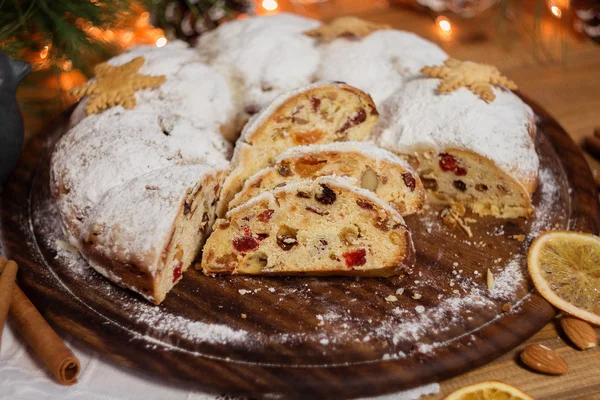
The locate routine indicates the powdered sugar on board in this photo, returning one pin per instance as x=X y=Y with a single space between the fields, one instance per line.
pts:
x=322 y=319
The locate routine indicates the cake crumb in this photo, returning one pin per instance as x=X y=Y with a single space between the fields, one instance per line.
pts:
x=391 y=298
x=449 y=221
x=416 y=296
x=244 y=291
x=244 y=316
x=400 y=291
x=458 y=209
x=518 y=238
x=451 y=218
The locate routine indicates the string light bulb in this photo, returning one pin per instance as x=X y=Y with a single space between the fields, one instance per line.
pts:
x=161 y=41
x=558 y=7
x=44 y=52
x=269 y=5
x=444 y=25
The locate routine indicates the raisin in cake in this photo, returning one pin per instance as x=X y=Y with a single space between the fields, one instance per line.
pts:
x=192 y=89
x=318 y=113
x=372 y=168
x=378 y=63
x=262 y=57
x=324 y=226
x=466 y=150
x=110 y=160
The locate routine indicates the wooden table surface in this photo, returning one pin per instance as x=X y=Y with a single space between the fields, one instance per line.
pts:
x=569 y=89
x=559 y=71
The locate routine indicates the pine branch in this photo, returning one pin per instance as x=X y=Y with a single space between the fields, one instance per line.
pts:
x=29 y=25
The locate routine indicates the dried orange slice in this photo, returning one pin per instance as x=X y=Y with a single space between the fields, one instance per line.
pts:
x=565 y=269
x=489 y=390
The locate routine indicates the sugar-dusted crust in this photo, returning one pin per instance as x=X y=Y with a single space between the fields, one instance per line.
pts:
x=192 y=88
x=110 y=149
x=318 y=113
x=145 y=233
x=324 y=226
x=262 y=57
x=493 y=143
x=378 y=63
x=104 y=172
x=373 y=168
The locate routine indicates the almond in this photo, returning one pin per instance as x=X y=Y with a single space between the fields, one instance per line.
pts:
x=579 y=332
x=490 y=280
x=542 y=359
x=369 y=180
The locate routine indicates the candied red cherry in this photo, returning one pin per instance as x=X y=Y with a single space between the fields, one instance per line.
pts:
x=245 y=243
x=355 y=258
x=448 y=162
x=265 y=216
x=177 y=272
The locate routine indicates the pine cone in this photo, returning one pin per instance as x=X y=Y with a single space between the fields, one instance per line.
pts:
x=183 y=22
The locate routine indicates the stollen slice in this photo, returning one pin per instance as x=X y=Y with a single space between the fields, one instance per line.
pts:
x=372 y=168
x=325 y=226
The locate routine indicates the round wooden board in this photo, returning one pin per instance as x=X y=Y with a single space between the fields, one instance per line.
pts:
x=301 y=336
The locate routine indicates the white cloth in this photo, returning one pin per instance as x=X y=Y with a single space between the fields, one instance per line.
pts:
x=23 y=377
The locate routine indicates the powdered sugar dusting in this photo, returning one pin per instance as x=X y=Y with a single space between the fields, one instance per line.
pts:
x=195 y=331
x=192 y=89
x=262 y=57
x=417 y=118
x=379 y=63
x=548 y=191
x=511 y=276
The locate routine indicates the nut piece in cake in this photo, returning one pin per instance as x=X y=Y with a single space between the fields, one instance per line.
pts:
x=319 y=113
x=372 y=168
x=324 y=226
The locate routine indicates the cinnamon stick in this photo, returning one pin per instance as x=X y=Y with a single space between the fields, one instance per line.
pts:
x=7 y=283
x=44 y=341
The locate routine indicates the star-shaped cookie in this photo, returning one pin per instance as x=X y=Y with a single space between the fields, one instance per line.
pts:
x=345 y=26
x=478 y=78
x=116 y=86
